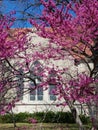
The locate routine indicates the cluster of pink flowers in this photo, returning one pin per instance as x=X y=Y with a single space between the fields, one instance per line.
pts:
x=74 y=31
x=10 y=43
x=32 y=120
x=75 y=23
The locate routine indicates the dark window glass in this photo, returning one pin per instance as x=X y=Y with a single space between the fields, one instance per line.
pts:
x=52 y=96
x=40 y=93
x=32 y=92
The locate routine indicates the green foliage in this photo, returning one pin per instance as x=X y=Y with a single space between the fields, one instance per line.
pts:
x=85 y=119
x=45 y=117
x=0 y=119
x=6 y=119
x=21 y=117
x=64 y=117
x=49 y=117
x=38 y=116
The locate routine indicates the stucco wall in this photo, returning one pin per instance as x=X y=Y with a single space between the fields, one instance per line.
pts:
x=26 y=105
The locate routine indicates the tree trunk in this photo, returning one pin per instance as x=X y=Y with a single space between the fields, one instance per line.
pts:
x=95 y=112
x=95 y=119
x=77 y=119
x=13 y=118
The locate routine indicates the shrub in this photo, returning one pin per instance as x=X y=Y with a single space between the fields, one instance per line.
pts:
x=54 y=117
x=49 y=117
x=45 y=117
x=38 y=116
x=22 y=117
x=85 y=119
x=7 y=118
x=64 y=117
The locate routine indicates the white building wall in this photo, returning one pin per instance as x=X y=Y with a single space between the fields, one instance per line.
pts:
x=45 y=105
x=26 y=105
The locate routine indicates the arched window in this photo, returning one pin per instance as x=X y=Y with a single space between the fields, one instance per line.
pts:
x=52 y=85
x=36 y=92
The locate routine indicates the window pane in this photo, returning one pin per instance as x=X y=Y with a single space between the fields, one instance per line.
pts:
x=39 y=97
x=40 y=93
x=32 y=97
x=52 y=96
x=32 y=92
x=20 y=91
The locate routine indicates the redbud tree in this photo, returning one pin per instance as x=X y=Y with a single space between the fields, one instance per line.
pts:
x=11 y=44
x=15 y=60
x=72 y=29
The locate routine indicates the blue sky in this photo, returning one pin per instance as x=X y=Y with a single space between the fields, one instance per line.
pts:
x=19 y=6
x=7 y=6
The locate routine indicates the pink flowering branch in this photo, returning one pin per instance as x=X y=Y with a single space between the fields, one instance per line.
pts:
x=72 y=29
